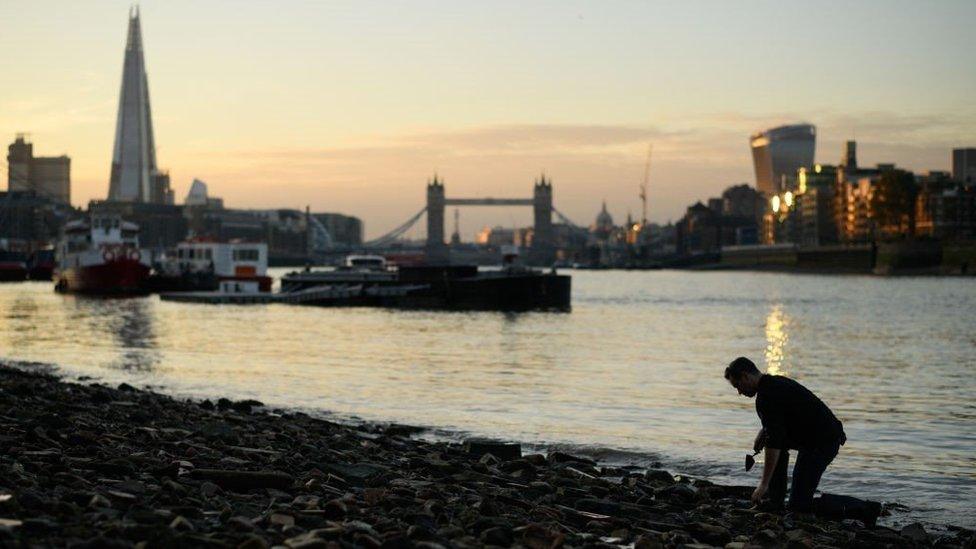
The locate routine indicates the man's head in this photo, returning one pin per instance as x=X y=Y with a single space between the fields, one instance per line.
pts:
x=744 y=376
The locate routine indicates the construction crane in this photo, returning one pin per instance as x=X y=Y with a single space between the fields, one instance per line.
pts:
x=643 y=187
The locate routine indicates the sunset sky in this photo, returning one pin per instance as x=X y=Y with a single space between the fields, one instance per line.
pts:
x=352 y=106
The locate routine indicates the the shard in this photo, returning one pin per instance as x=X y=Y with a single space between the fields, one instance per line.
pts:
x=134 y=173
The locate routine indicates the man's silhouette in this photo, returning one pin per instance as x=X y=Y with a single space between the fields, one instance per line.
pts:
x=792 y=418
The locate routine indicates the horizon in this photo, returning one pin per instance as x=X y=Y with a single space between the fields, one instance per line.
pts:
x=346 y=124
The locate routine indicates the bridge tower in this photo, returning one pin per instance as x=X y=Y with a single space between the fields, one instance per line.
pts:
x=543 y=239
x=436 y=249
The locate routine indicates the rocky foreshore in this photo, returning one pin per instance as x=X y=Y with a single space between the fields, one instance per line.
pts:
x=93 y=466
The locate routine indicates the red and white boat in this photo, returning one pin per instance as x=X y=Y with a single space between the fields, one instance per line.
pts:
x=101 y=255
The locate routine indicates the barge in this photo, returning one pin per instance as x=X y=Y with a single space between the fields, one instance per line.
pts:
x=369 y=281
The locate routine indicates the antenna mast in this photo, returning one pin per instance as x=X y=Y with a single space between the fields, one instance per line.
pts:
x=643 y=187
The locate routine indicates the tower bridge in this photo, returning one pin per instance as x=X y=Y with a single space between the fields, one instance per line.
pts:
x=543 y=248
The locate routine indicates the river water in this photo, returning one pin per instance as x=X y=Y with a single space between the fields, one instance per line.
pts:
x=633 y=374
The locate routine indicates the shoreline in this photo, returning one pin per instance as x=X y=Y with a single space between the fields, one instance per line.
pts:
x=90 y=463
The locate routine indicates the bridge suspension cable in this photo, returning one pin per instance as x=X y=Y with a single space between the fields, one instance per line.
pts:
x=397 y=232
x=321 y=239
x=565 y=219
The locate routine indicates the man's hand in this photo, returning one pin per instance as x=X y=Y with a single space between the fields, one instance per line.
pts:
x=759 y=492
x=760 y=441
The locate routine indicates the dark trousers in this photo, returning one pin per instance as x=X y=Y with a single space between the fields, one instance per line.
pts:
x=810 y=466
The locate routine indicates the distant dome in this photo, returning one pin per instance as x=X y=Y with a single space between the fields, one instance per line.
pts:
x=604 y=220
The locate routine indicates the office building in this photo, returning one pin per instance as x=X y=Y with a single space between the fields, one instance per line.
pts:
x=964 y=165
x=778 y=153
x=135 y=176
x=48 y=177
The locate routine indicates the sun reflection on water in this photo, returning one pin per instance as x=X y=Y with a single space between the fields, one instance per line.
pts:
x=777 y=336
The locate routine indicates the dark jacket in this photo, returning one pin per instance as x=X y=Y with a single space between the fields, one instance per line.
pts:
x=793 y=417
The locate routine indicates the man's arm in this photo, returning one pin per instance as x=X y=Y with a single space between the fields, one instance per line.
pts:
x=769 y=467
x=760 y=441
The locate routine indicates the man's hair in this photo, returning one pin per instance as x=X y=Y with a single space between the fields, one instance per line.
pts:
x=740 y=366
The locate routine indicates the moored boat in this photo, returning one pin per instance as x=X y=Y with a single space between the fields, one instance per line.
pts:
x=41 y=264
x=13 y=266
x=452 y=287
x=101 y=255
x=203 y=264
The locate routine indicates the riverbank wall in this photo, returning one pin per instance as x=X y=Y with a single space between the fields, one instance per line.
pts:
x=918 y=257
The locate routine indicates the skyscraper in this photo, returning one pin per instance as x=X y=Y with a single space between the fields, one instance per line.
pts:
x=778 y=153
x=49 y=177
x=964 y=165
x=135 y=177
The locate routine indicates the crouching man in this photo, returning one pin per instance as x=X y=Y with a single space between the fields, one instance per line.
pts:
x=792 y=418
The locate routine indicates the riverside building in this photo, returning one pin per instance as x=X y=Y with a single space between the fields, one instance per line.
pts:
x=964 y=165
x=48 y=177
x=778 y=153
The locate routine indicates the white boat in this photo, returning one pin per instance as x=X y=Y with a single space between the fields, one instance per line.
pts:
x=234 y=264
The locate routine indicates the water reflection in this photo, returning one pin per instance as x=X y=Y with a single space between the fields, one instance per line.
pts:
x=777 y=336
x=129 y=322
x=21 y=321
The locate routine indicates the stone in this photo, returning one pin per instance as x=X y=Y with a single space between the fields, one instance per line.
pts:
x=244 y=480
x=99 y=502
x=244 y=406
x=504 y=451
x=361 y=527
x=427 y=545
x=648 y=542
x=306 y=541
x=796 y=534
x=209 y=489
x=450 y=532
x=681 y=493
x=240 y=524
x=497 y=536
x=562 y=457
x=253 y=542
x=915 y=532
x=601 y=506
x=357 y=474
x=659 y=476
x=489 y=460
x=537 y=536
x=281 y=519
x=400 y=430
x=102 y=542
x=306 y=502
x=366 y=540
x=181 y=524
x=711 y=533
x=335 y=509
x=373 y=496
